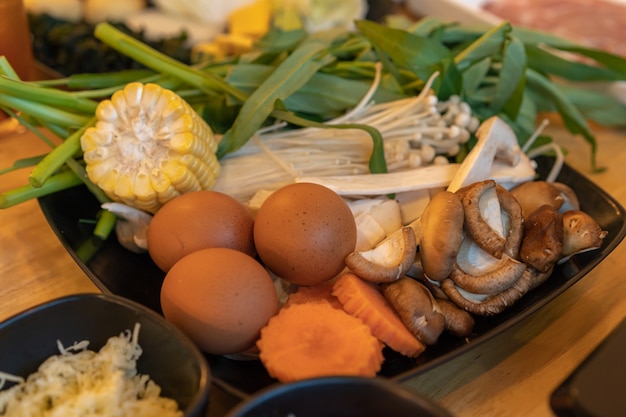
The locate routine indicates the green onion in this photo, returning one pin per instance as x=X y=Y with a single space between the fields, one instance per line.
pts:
x=48 y=96
x=287 y=78
x=157 y=61
x=44 y=112
x=105 y=225
x=57 y=182
x=57 y=157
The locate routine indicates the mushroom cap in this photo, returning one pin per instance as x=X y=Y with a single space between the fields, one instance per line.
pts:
x=533 y=194
x=442 y=234
x=477 y=209
x=417 y=309
x=542 y=244
x=388 y=261
x=570 y=199
x=498 y=279
x=493 y=304
x=515 y=228
x=479 y=201
x=581 y=232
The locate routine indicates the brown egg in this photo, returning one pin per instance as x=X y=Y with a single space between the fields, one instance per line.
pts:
x=198 y=220
x=303 y=232
x=220 y=298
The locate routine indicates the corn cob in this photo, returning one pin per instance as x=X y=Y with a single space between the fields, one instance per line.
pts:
x=149 y=146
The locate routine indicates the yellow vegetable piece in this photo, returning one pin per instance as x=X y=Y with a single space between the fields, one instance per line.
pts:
x=252 y=20
x=224 y=45
x=233 y=45
x=207 y=51
x=149 y=146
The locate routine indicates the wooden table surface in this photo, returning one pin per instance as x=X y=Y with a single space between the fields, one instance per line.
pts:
x=511 y=375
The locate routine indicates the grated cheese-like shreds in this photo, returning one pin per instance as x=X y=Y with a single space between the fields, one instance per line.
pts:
x=81 y=382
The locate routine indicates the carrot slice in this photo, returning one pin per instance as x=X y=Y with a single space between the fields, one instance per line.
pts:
x=365 y=301
x=313 y=340
x=322 y=293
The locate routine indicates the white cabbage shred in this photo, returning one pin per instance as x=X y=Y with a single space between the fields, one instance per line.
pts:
x=81 y=382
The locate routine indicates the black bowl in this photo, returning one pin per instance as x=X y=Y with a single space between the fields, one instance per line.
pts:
x=339 y=397
x=169 y=357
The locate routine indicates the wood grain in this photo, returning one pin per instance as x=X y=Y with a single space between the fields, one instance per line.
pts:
x=34 y=266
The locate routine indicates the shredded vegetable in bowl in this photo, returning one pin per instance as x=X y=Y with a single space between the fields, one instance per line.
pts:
x=81 y=382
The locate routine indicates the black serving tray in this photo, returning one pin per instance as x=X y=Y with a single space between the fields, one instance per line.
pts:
x=116 y=270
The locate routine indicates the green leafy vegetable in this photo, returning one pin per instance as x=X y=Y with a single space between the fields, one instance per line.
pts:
x=573 y=119
x=287 y=78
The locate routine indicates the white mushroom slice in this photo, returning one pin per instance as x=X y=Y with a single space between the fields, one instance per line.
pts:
x=376 y=218
x=387 y=213
x=412 y=204
x=510 y=176
x=369 y=232
x=474 y=260
x=386 y=262
x=496 y=139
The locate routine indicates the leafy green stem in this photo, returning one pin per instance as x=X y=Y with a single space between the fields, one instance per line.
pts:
x=55 y=183
x=49 y=96
x=58 y=157
x=157 y=61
